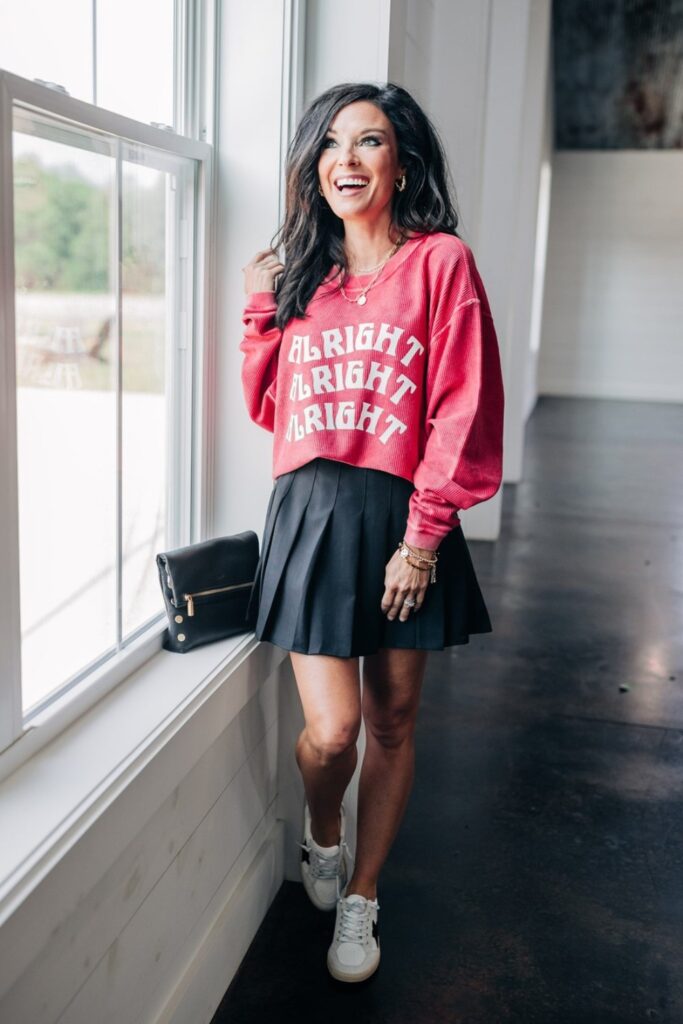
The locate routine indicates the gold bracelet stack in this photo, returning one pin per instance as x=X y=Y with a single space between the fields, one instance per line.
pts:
x=429 y=563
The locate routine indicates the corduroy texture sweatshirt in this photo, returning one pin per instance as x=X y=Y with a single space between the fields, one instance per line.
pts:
x=409 y=383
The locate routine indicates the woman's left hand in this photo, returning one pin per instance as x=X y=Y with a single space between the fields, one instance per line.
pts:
x=403 y=581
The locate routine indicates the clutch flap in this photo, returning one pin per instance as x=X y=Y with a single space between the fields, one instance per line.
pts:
x=209 y=564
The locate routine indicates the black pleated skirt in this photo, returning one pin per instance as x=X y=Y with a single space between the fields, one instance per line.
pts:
x=329 y=532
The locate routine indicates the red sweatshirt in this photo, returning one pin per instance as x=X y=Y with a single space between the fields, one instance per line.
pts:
x=409 y=382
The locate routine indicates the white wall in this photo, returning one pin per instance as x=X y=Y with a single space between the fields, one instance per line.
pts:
x=613 y=311
x=481 y=71
x=249 y=141
x=148 y=913
x=514 y=208
x=439 y=53
x=530 y=387
x=345 y=42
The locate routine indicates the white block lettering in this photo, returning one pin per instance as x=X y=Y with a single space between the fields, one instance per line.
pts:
x=313 y=418
x=405 y=386
x=354 y=374
x=345 y=416
x=395 y=425
x=332 y=343
x=322 y=379
x=392 y=336
x=377 y=371
x=371 y=417
x=415 y=346
x=365 y=336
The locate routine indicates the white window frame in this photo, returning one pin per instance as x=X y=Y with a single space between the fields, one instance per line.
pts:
x=87 y=756
x=197 y=37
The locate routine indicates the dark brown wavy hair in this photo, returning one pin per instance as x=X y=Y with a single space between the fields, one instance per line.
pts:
x=310 y=240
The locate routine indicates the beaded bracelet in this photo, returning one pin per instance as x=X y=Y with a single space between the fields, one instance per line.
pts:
x=405 y=550
x=403 y=544
x=422 y=568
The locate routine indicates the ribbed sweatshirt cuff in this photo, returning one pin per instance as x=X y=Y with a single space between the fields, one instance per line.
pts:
x=421 y=540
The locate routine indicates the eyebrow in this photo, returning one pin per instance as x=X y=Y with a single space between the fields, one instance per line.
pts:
x=362 y=131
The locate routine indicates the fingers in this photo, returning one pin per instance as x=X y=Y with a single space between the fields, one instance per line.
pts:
x=401 y=609
x=262 y=271
x=272 y=264
x=393 y=601
x=403 y=581
x=264 y=258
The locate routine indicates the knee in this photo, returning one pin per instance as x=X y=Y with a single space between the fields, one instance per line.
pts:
x=330 y=741
x=392 y=726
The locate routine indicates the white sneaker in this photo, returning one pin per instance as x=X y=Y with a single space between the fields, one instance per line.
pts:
x=354 y=953
x=324 y=869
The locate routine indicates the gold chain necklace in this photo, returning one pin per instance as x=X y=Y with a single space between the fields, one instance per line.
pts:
x=362 y=298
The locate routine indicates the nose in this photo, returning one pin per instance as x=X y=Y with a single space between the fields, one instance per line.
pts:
x=347 y=156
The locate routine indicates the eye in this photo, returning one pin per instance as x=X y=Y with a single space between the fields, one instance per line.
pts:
x=327 y=141
x=371 y=138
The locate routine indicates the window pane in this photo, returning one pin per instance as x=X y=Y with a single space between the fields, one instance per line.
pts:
x=66 y=408
x=134 y=46
x=135 y=58
x=97 y=420
x=144 y=400
x=48 y=40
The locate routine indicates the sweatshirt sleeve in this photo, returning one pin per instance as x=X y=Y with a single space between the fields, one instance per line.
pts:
x=260 y=347
x=463 y=454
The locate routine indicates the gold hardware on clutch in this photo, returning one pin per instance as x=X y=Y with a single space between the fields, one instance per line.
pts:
x=216 y=590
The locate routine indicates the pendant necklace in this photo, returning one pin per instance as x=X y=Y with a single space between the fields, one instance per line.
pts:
x=362 y=298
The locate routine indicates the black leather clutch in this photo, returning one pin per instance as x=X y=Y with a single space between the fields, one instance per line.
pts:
x=206 y=589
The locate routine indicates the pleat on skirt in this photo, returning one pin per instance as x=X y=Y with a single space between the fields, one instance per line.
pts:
x=330 y=530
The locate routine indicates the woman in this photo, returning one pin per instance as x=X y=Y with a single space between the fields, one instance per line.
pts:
x=371 y=356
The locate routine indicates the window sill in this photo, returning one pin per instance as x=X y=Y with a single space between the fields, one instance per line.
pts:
x=49 y=801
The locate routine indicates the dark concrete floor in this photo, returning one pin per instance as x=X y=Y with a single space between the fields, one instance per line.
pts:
x=538 y=872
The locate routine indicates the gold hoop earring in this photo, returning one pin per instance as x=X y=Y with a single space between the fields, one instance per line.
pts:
x=403 y=183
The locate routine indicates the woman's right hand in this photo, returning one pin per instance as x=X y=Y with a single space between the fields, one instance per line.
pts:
x=261 y=271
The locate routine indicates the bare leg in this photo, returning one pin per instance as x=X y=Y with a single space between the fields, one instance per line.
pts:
x=392 y=683
x=326 y=749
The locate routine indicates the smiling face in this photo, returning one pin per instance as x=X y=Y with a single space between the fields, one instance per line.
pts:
x=358 y=164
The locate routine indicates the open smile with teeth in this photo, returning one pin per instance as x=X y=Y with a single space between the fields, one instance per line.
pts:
x=349 y=185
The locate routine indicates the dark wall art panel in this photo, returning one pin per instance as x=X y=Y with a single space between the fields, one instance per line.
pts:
x=618 y=74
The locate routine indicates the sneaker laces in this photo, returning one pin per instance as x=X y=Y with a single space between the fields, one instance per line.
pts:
x=321 y=866
x=353 y=920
